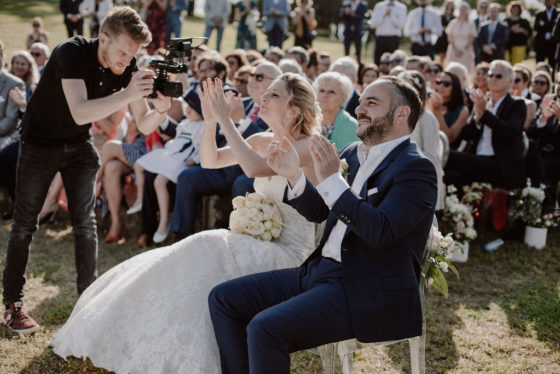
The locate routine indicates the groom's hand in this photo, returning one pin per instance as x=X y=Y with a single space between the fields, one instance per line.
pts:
x=283 y=159
x=325 y=157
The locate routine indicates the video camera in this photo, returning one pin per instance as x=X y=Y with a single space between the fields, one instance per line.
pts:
x=178 y=48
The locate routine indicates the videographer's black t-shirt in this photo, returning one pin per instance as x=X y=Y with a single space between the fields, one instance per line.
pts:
x=47 y=120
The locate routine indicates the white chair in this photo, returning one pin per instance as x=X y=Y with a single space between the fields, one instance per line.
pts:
x=443 y=148
x=346 y=349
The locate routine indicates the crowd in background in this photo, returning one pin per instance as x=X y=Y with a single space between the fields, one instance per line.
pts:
x=500 y=117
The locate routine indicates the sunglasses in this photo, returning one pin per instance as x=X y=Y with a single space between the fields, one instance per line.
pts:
x=497 y=76
x=36 y=25
x=397 y=60
x=540 y=83
x=444 y=83
x=241 y=81
x=36 y=54
x=433 y=71
x=260 y=77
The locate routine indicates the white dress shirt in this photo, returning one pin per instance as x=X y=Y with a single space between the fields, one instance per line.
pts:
x=335 y=185
x=391 y=25
x=432 y=20
x=484 y=147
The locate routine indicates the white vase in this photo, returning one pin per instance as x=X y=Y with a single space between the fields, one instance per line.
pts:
x=535 y=236
x=461 y=257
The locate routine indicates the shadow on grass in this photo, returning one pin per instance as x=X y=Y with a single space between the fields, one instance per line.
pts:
x=32 y=8
x=524 y=282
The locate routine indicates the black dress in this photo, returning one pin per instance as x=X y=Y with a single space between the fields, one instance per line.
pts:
x=441 y=42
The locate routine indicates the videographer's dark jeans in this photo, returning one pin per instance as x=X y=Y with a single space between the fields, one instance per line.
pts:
x=37 y=165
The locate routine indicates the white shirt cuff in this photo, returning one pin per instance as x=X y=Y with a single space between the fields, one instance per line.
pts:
x=331 y=188
x=298 y=188
x=243 y=124
x=540 y=124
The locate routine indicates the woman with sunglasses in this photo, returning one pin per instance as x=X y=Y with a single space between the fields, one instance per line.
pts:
x=38 y=34
x=447 y=104
x=461 y=34
x=542 y=83
x=432 y=74
x=169 y=330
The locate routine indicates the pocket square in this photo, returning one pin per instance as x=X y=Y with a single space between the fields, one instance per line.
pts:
x=372 y=191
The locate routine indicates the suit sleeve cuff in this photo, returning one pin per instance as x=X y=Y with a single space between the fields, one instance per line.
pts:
x=298 y=189
x=331 y=188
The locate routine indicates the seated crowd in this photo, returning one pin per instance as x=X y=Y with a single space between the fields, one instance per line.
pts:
x=501 y=123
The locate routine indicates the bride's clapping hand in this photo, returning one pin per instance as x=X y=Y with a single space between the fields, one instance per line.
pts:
x=219 y=105
x=283 y=159
x=206 y=105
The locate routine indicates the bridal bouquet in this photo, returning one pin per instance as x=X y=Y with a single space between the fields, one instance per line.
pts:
x=255 y=216
x=457 y=217
x=529 y=207
x=438 y=252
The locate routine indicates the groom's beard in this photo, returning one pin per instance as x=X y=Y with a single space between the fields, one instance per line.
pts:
x=377 y=129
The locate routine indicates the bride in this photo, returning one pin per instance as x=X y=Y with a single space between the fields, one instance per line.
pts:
x=149 y=314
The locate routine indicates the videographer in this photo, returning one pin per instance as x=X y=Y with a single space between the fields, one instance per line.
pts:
x=85 y=80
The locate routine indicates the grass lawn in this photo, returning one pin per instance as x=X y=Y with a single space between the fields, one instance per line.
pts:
x=502 y=316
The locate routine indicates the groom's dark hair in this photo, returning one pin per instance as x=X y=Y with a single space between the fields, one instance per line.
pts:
x=404 y=95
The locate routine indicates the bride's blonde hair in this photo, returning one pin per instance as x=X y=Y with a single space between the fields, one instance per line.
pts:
x=302 y=96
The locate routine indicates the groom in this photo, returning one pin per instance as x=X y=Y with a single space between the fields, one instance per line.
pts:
x=362 y=280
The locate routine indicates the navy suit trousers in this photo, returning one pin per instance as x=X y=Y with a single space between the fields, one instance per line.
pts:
x=260 y=319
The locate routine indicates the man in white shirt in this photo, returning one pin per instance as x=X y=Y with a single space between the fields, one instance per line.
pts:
x=387 y=19
x=495 y=132
x=422 y=25
x=362 y=280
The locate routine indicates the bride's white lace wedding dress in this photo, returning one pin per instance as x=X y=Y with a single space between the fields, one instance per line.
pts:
x=149 y=314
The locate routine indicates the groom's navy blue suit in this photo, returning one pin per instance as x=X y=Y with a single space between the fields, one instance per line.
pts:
x=371 y=295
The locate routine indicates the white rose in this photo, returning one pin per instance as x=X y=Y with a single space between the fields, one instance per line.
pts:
x=448 y=240
x=268 y=225
x=255 y=229
x=238 y=202
x=444 y=267
x=254 y=197
x=275 y=232
x=266 y=236
x=268 y=211
x=235 y=222
x=253 y=213
x=460 y=226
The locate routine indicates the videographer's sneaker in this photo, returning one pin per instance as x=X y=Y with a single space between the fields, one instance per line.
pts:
x=17 y=321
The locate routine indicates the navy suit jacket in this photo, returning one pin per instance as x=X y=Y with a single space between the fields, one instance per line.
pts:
x=499 y=39
x=384 y=242
x=353 y=22
x=353 y=104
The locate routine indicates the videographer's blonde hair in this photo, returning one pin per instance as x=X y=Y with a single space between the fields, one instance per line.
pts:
x=302 y=96
x=124 y=19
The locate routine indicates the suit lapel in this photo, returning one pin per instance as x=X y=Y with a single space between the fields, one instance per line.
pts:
x=504 y=106
x=353 y=165
x=385 y=163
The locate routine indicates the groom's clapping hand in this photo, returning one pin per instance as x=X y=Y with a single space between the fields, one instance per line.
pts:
x=325 y=157
x=283 y=159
